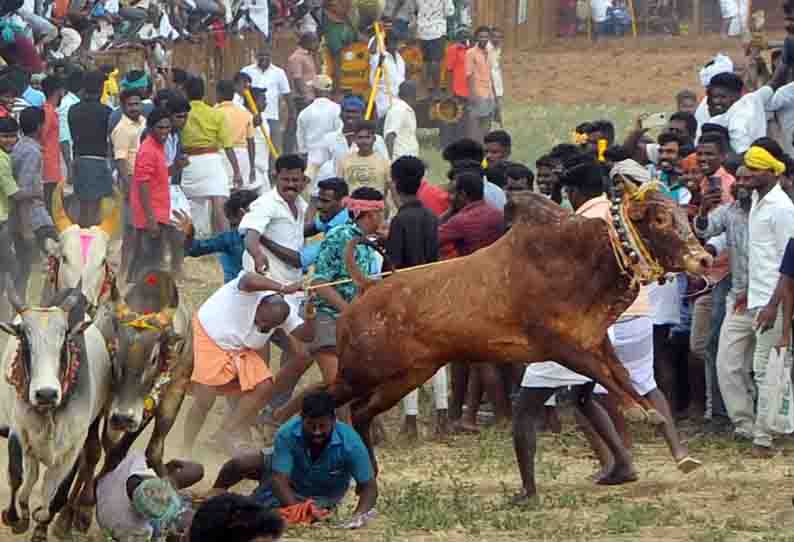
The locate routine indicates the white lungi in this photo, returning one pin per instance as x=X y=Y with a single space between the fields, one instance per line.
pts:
x=262 y=166
x=632 y=339
x=206 y=177
x=550 y=374
x=245 y=168
x=439 y=380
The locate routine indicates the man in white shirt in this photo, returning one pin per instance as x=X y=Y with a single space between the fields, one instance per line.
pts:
x=277 y=216
x=743 y=116
x=771 y=225
x=431 y=30
x=782 y=105
x=266 y=75
x=392 y=76
x=599 y=15
x=337 y=145
x=319 y=119
x=400 y=125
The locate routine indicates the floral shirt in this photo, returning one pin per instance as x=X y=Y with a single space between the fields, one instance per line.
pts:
x=330 y=264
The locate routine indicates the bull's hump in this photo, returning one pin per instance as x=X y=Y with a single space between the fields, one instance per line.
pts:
x=536 y=209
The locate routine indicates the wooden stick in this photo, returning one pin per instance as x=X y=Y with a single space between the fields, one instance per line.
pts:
x=633 y=18
x=252 y=106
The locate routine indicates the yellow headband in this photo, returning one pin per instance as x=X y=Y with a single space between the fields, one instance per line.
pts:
x=759 y=158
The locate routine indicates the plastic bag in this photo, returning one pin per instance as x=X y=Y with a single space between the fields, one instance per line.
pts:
x=780 y=411
x=179 y=201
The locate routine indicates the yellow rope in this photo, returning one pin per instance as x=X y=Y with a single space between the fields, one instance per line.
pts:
x=381 y=275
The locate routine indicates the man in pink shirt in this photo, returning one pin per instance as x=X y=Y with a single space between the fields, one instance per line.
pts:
x=150 y=196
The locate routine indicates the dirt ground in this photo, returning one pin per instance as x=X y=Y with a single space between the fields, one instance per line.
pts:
x=458 y=490
x=648 y=70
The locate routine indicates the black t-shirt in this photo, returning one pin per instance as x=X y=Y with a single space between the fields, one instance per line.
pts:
x=787 y=265
x=88 y=122
x=413 y=236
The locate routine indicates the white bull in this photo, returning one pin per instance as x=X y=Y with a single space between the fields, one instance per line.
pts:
x=58 y=384
x=82 y=254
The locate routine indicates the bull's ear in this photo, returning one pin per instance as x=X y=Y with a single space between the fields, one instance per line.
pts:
x=11 y=328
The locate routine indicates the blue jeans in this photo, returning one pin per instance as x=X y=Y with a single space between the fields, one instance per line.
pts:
x=718 y=298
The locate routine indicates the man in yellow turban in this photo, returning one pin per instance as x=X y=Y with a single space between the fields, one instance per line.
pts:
x=771 y=225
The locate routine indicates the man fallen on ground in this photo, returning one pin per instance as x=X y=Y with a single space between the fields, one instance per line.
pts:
x=134 y=505
x=309 y=468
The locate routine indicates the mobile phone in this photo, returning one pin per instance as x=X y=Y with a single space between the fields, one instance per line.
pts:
x=655 y=120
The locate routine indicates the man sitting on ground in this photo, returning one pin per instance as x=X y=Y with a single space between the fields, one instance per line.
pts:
x=313 y=459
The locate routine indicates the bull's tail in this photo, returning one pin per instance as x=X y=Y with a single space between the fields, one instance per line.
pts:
x=358 y=276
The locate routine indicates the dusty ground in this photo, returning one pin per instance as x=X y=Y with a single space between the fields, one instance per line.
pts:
x=458 y=490
x=649 y=70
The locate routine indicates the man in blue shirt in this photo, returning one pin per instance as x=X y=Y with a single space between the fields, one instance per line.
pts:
x=229 y=245
x=330 y=213
x=314 y=457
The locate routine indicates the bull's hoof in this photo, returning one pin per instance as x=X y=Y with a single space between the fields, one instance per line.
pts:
x=635 y=414
x=39 y=533
x=62 y=528
x=655 y=417
x=17 y=524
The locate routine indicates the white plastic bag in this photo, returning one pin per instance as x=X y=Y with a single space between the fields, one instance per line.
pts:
x=779 y=416
x=179 y=201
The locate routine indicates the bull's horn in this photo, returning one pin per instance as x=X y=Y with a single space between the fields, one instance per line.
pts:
x=59 y=215
x=111 y=214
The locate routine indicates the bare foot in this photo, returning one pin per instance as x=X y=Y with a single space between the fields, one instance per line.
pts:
x=687 y=465
x=619 y=474
x=465 y=425
x=409 y=430
x=525 y=498
x=441 y=430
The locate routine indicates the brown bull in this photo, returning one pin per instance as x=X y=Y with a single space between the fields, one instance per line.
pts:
x=548 y=289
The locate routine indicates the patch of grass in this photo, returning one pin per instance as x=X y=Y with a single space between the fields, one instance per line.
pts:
x=630 y=518
x=535 y=130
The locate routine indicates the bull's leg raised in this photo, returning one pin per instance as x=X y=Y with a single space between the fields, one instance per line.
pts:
x=621 y=376
x=604 y=367
x=16 y=468
x=81 y=502
x=385 y=396
x=163 y=422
